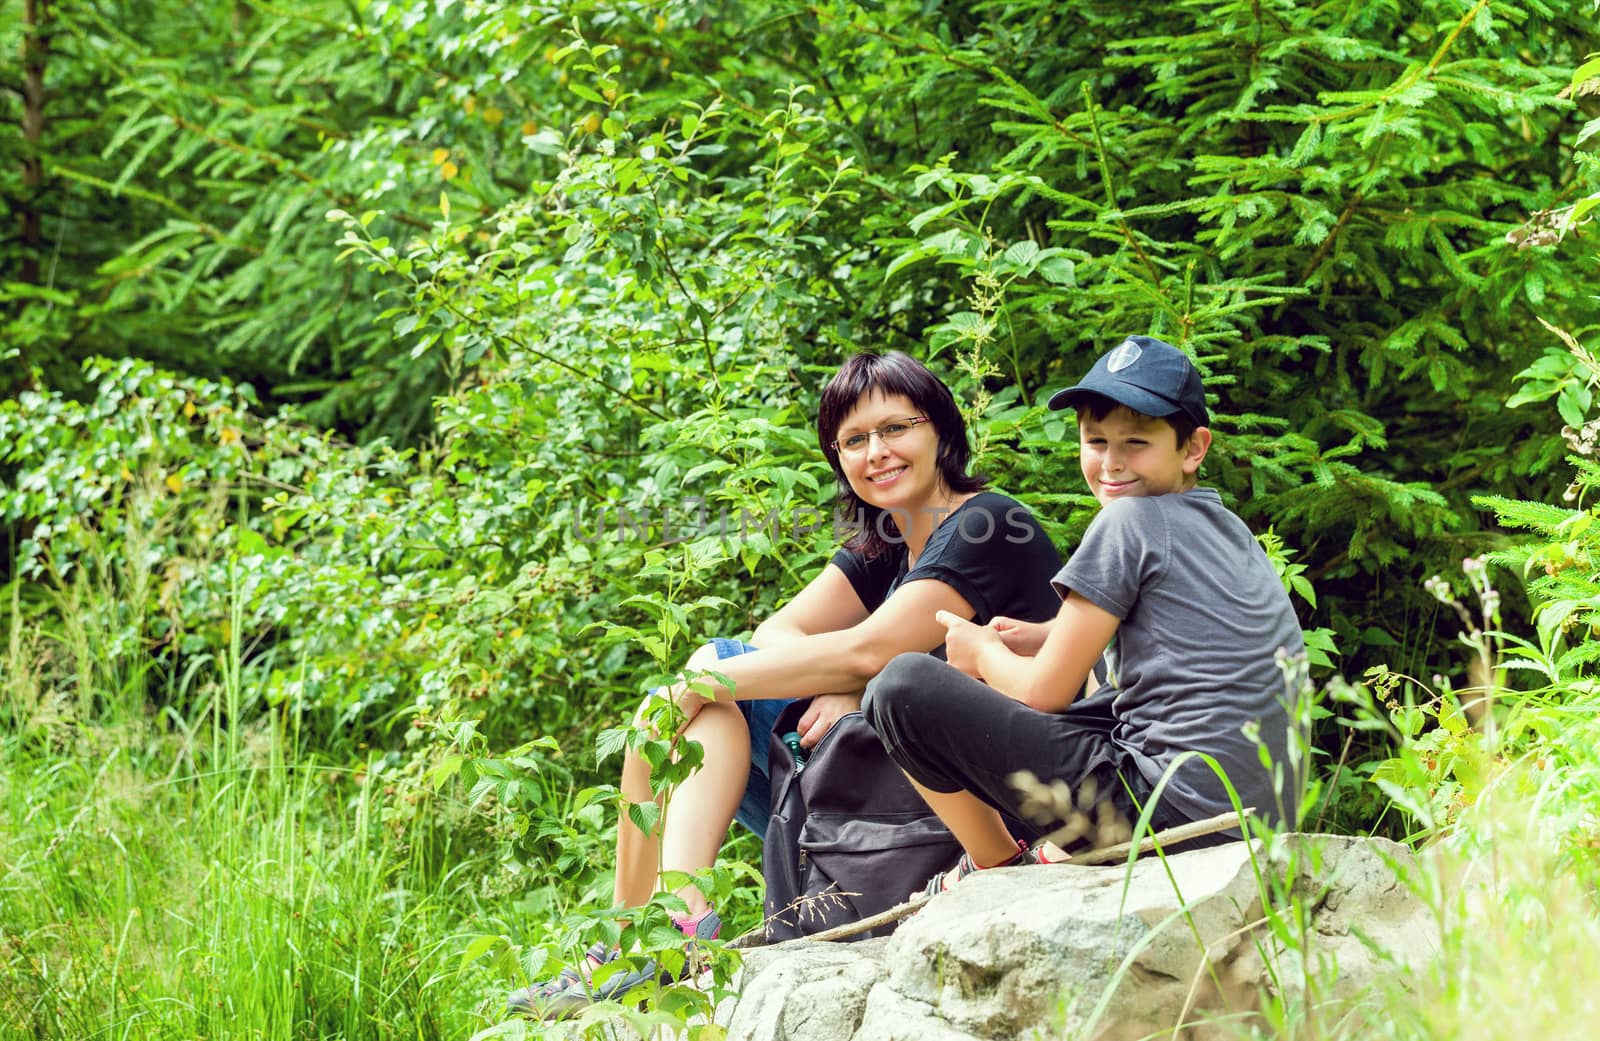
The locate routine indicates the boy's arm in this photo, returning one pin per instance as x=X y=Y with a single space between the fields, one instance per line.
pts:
x=1048 y=681
x=1025 y=638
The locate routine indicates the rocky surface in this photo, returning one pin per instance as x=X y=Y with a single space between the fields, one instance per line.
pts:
x=1103 y=952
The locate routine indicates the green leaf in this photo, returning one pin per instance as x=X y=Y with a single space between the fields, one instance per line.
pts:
x=250 y=542
x=445 y=769
x=1307 y=145
x=644 y=816
x=480 y=946
x=1570 y=403
x=1587 y=71
x=1059 y=270
x=1021 y=254
x=905 y=260
x=611 y=741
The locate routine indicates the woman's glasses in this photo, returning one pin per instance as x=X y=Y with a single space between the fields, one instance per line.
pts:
x=855 y=444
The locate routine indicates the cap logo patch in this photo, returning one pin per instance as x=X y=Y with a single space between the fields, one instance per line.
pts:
x=1125 y=355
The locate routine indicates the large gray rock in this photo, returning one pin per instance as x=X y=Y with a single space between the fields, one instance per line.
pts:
x=804 y=990
x=1104 y=952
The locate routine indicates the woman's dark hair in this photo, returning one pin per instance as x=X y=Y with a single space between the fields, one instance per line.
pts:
x=886 y=374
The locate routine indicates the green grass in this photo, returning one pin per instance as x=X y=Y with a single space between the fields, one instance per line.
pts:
x=178 y=861
x=1512 y=886
x=182 y=875
x=150 y=891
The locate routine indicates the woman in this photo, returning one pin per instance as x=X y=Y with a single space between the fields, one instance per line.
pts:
x=930 y=540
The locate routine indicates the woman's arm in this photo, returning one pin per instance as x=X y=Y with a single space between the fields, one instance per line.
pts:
x=837 y=660
x=1048 y=681
x=827 y=604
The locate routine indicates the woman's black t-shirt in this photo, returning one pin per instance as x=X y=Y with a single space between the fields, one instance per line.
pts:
x=990 y=549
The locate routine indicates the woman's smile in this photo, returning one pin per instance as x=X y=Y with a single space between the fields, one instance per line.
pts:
x=883 y=477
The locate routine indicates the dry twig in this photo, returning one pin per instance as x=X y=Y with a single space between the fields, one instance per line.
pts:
x=1171 y=836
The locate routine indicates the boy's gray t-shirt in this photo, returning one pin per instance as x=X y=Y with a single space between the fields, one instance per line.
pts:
x=1196 y=658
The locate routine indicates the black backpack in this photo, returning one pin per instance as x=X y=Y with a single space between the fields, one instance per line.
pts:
x=848 y=837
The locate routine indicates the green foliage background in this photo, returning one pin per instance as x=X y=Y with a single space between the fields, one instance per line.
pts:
x=538 y=261
x=444 y=366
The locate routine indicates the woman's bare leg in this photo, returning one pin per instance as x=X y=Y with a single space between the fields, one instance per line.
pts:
x=701 y=808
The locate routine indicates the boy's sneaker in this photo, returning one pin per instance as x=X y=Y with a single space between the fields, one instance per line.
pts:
x=1043 y=853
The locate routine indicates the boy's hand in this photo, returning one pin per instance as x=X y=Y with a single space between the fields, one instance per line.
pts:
x=1024 y=638
x=964 y=642
x=824 y=712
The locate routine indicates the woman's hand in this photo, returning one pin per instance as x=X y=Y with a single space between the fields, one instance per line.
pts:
x=824 y=712
x=964 y=642
x=691 y=696
x=1024 y=638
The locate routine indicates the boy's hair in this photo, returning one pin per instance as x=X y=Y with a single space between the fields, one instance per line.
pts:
x=1098 y=407
x=883 y=374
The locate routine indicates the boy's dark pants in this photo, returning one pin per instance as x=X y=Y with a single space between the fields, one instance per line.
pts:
x=951 y=733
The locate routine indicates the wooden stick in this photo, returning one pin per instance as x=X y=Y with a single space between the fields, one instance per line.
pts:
x=1171 y=836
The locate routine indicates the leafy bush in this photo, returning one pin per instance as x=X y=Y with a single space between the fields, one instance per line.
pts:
x=603 y=255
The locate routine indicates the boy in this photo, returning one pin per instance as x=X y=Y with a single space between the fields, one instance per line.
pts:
x=1168 y=591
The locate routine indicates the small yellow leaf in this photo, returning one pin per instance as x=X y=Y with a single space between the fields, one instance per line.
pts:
x=449 y=170
x=493 y=115
x=127 y=474
x=516 y=634
x=228 y=436
x=661 y=23
x=470 y=105
x=174 y=483
x=188 y=410
x=591 y=123
x=529 y=128
x=440 y=155
x=444 y=205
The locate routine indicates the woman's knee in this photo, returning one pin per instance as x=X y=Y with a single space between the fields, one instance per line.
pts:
x=703 y=659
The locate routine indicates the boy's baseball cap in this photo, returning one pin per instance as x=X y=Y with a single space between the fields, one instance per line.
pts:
x=1145 y=374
